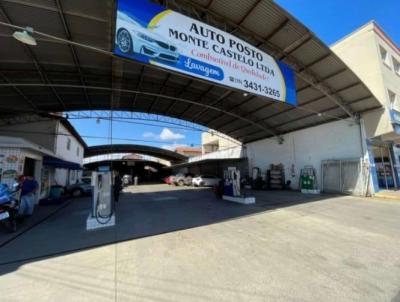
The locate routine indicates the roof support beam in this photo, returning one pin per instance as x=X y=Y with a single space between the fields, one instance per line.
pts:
x=252 y=8
x=275 y=31
x=210 y=2
x=117 y=71
x=298 y=91
x=294 y=108
x=161 y=91
x=52 y=9
x=27 y=100
x=302 y=72
x=220 y=99
x=73 y=51
x=318 y=60
x=178 y=95
x=322 y=116
x=162 y=97
x=233 y=108
x=294 y=46
x=137 y=88
x=324 y=79
x=198 y=101
x=39 y=69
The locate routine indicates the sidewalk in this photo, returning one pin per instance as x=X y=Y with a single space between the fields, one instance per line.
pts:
x=387 y=194
x=40 y=214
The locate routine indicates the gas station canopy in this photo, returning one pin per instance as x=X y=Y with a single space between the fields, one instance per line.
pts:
x=55 y=76
x=141 y=149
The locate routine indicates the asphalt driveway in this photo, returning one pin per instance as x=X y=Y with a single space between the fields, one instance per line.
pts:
x=181 y=244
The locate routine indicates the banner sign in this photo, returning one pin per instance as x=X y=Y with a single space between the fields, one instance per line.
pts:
x=152 y=34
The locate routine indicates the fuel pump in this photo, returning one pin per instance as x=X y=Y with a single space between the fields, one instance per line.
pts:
x=102 y=213
x=232 y=181
x=232 y=187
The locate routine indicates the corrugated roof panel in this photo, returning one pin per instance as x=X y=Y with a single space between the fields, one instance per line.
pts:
x=354 y=93
x=309 y=51
x=93 y=34
x=13 y=52
x=364 y=104
x=264 y=19
x=342 y=80
x=50 y=53
x=202 y=2
x=97 y=9
x=86 y=22
x=40 y=19
x=288 y=35
x=87 y=58
x=42 y=3
x=310 y=93
x=233 y=11
x=326 y=67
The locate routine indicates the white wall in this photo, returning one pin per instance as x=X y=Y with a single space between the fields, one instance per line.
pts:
x=61 y=146
x=39 y=133
x=214 y=137
x=337 y=140
x=360 y=51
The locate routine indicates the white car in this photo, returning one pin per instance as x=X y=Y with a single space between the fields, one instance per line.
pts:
x=205 y=181
x=131 y=37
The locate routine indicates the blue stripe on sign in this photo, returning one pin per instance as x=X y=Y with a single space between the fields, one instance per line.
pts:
x=197 y=67
x=290 y=83
x=143 y=8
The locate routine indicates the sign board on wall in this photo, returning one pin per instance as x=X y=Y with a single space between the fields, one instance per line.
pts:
x=11 y=165
x=152 y=34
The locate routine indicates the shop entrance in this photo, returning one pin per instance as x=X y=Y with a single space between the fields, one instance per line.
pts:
x=384 y=167
x=29 y=167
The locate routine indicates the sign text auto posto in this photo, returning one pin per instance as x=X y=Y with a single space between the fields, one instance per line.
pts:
x=205 y=52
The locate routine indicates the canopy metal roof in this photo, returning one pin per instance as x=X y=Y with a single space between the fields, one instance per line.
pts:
x=54 y=76
x=141 y=149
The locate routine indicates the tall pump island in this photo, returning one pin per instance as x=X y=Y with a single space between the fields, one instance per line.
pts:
x=102 y=213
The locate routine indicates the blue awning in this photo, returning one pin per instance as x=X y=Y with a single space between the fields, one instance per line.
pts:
x=59 y=163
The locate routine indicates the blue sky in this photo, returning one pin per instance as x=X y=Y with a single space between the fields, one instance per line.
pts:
x=334 y=19
x=329 y=20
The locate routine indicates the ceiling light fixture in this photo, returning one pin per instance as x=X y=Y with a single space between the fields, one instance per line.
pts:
x=25 y=36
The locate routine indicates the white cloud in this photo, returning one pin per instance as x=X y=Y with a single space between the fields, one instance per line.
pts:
x=173 y=146
x=168 y=135
x=165 y=135
x=149 y=134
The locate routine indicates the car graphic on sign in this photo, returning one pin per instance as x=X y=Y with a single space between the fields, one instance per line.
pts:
x=131 y=37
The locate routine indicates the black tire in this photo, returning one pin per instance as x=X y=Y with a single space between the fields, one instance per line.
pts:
x=124 y=41
x=77 y=193
x=181 y=183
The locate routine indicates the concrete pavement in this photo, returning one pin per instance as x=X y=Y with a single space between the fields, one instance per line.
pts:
x=287 y=247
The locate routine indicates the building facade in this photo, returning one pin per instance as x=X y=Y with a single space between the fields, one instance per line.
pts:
x=188 y=151
x=19 y=156
x=61 y=158
x=375 y=58
x=213 y=141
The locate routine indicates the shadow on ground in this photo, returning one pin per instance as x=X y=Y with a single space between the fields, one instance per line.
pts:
x=155 y=210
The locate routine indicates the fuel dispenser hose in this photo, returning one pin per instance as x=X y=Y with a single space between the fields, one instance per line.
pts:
x=98 y=216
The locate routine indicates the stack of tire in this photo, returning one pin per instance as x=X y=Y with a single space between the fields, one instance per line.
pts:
x=276 y=177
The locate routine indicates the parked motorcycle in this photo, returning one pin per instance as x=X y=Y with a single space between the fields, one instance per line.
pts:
x=8 y=208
